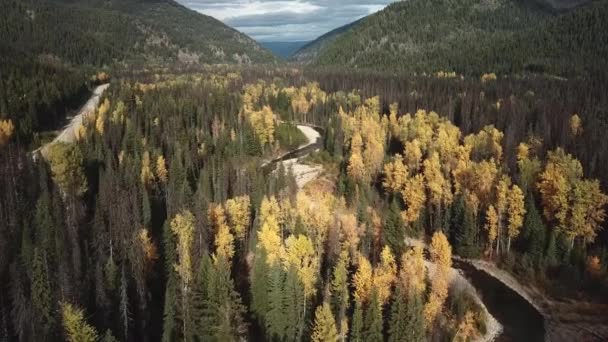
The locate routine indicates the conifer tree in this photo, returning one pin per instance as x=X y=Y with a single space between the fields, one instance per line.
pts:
x=373 y=320
x=75 y=327
x=324 y=325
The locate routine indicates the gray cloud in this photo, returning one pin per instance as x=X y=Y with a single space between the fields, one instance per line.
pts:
x=286 y=20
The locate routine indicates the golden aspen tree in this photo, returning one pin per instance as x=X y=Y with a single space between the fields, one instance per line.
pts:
x=315 y=212
x=413 y=155
x=100 y=120
x=576 y=125
x=356 y=168
x=491 y=226
x=384 y=275
x=517 y=210
x=67 y=168
x=437 y=185
x=373 y=155
x=182 y=226
x=149 y=250
x=300 y=253
x=413 y=272
x=80 y=132
x=362 y=280
x=395 y=175
x=414 y=197
x=6 y=131
x=486 y=144
x=441 y=255
x=467 y=330
x=269 y=235
x=238 y=210
x=324 y=329
x=502 y=191
x=161 y=170
x=268 y=123
x=146 y=175
x=554 y=184
x=587 y=210
x=224 y=240
x=349 y=231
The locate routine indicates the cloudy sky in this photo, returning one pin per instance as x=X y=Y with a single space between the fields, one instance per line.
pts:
x=286 y=20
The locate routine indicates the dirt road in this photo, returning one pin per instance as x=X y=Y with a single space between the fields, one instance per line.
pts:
x=68 y=134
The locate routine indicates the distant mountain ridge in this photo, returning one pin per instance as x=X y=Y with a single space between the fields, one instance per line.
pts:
x=284 y=49
x=472 y=37
x=103 y=32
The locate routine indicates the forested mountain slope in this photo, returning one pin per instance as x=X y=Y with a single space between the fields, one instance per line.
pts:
x=49 y=49
x=310 y=51
x=102 y=32
x=473 y=37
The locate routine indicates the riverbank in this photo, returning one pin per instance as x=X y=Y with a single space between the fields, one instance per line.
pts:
x=565 y=320
x=303 y=173
x=459 y=283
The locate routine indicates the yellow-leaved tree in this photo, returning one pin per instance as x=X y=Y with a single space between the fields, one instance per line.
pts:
x=395 y=175
x=441 y=256
x=238 y=210
x=75 y=327
x=385 y=275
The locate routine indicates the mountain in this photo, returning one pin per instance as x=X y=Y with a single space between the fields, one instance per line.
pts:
x=473 y=37
x=283 y=49
x=103 y=32
x=310 y=51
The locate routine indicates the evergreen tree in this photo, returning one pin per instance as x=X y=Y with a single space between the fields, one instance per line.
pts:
x=394 y=232
x=293 y=297
x=356 y=329
x=259 y=285
x=373 y=320
x=534 y=231
x=325 y=325
x=275 y=317
x=407 y=317
x=75 y=326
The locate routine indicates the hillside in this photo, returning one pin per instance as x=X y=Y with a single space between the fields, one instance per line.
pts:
x=310 y=51
x=473 y=37
x=99 y=32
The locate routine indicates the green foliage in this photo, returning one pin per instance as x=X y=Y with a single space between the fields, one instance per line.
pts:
x=534 y=232
x=289 y=136
x=394 y=229
x=67 y=166
x=75 y=326
x=473 y=37
x=407 y=317
x=372 y=331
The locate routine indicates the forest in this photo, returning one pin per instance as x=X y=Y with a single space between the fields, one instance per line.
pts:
x=166 y=219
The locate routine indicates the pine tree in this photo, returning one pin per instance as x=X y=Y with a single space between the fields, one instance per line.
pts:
x=259 y=285
x=275 y=318
x=293 y=299
x=373 y=320
x=407 y=317
x=324 y=325
x=75 y=327
x=357 y=325
x=394 y=232
x=534 y=231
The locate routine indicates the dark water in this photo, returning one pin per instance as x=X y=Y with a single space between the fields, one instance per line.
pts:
x=301 y=152
x=520 y=320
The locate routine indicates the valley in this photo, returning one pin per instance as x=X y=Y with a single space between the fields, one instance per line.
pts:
x=431 y=171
